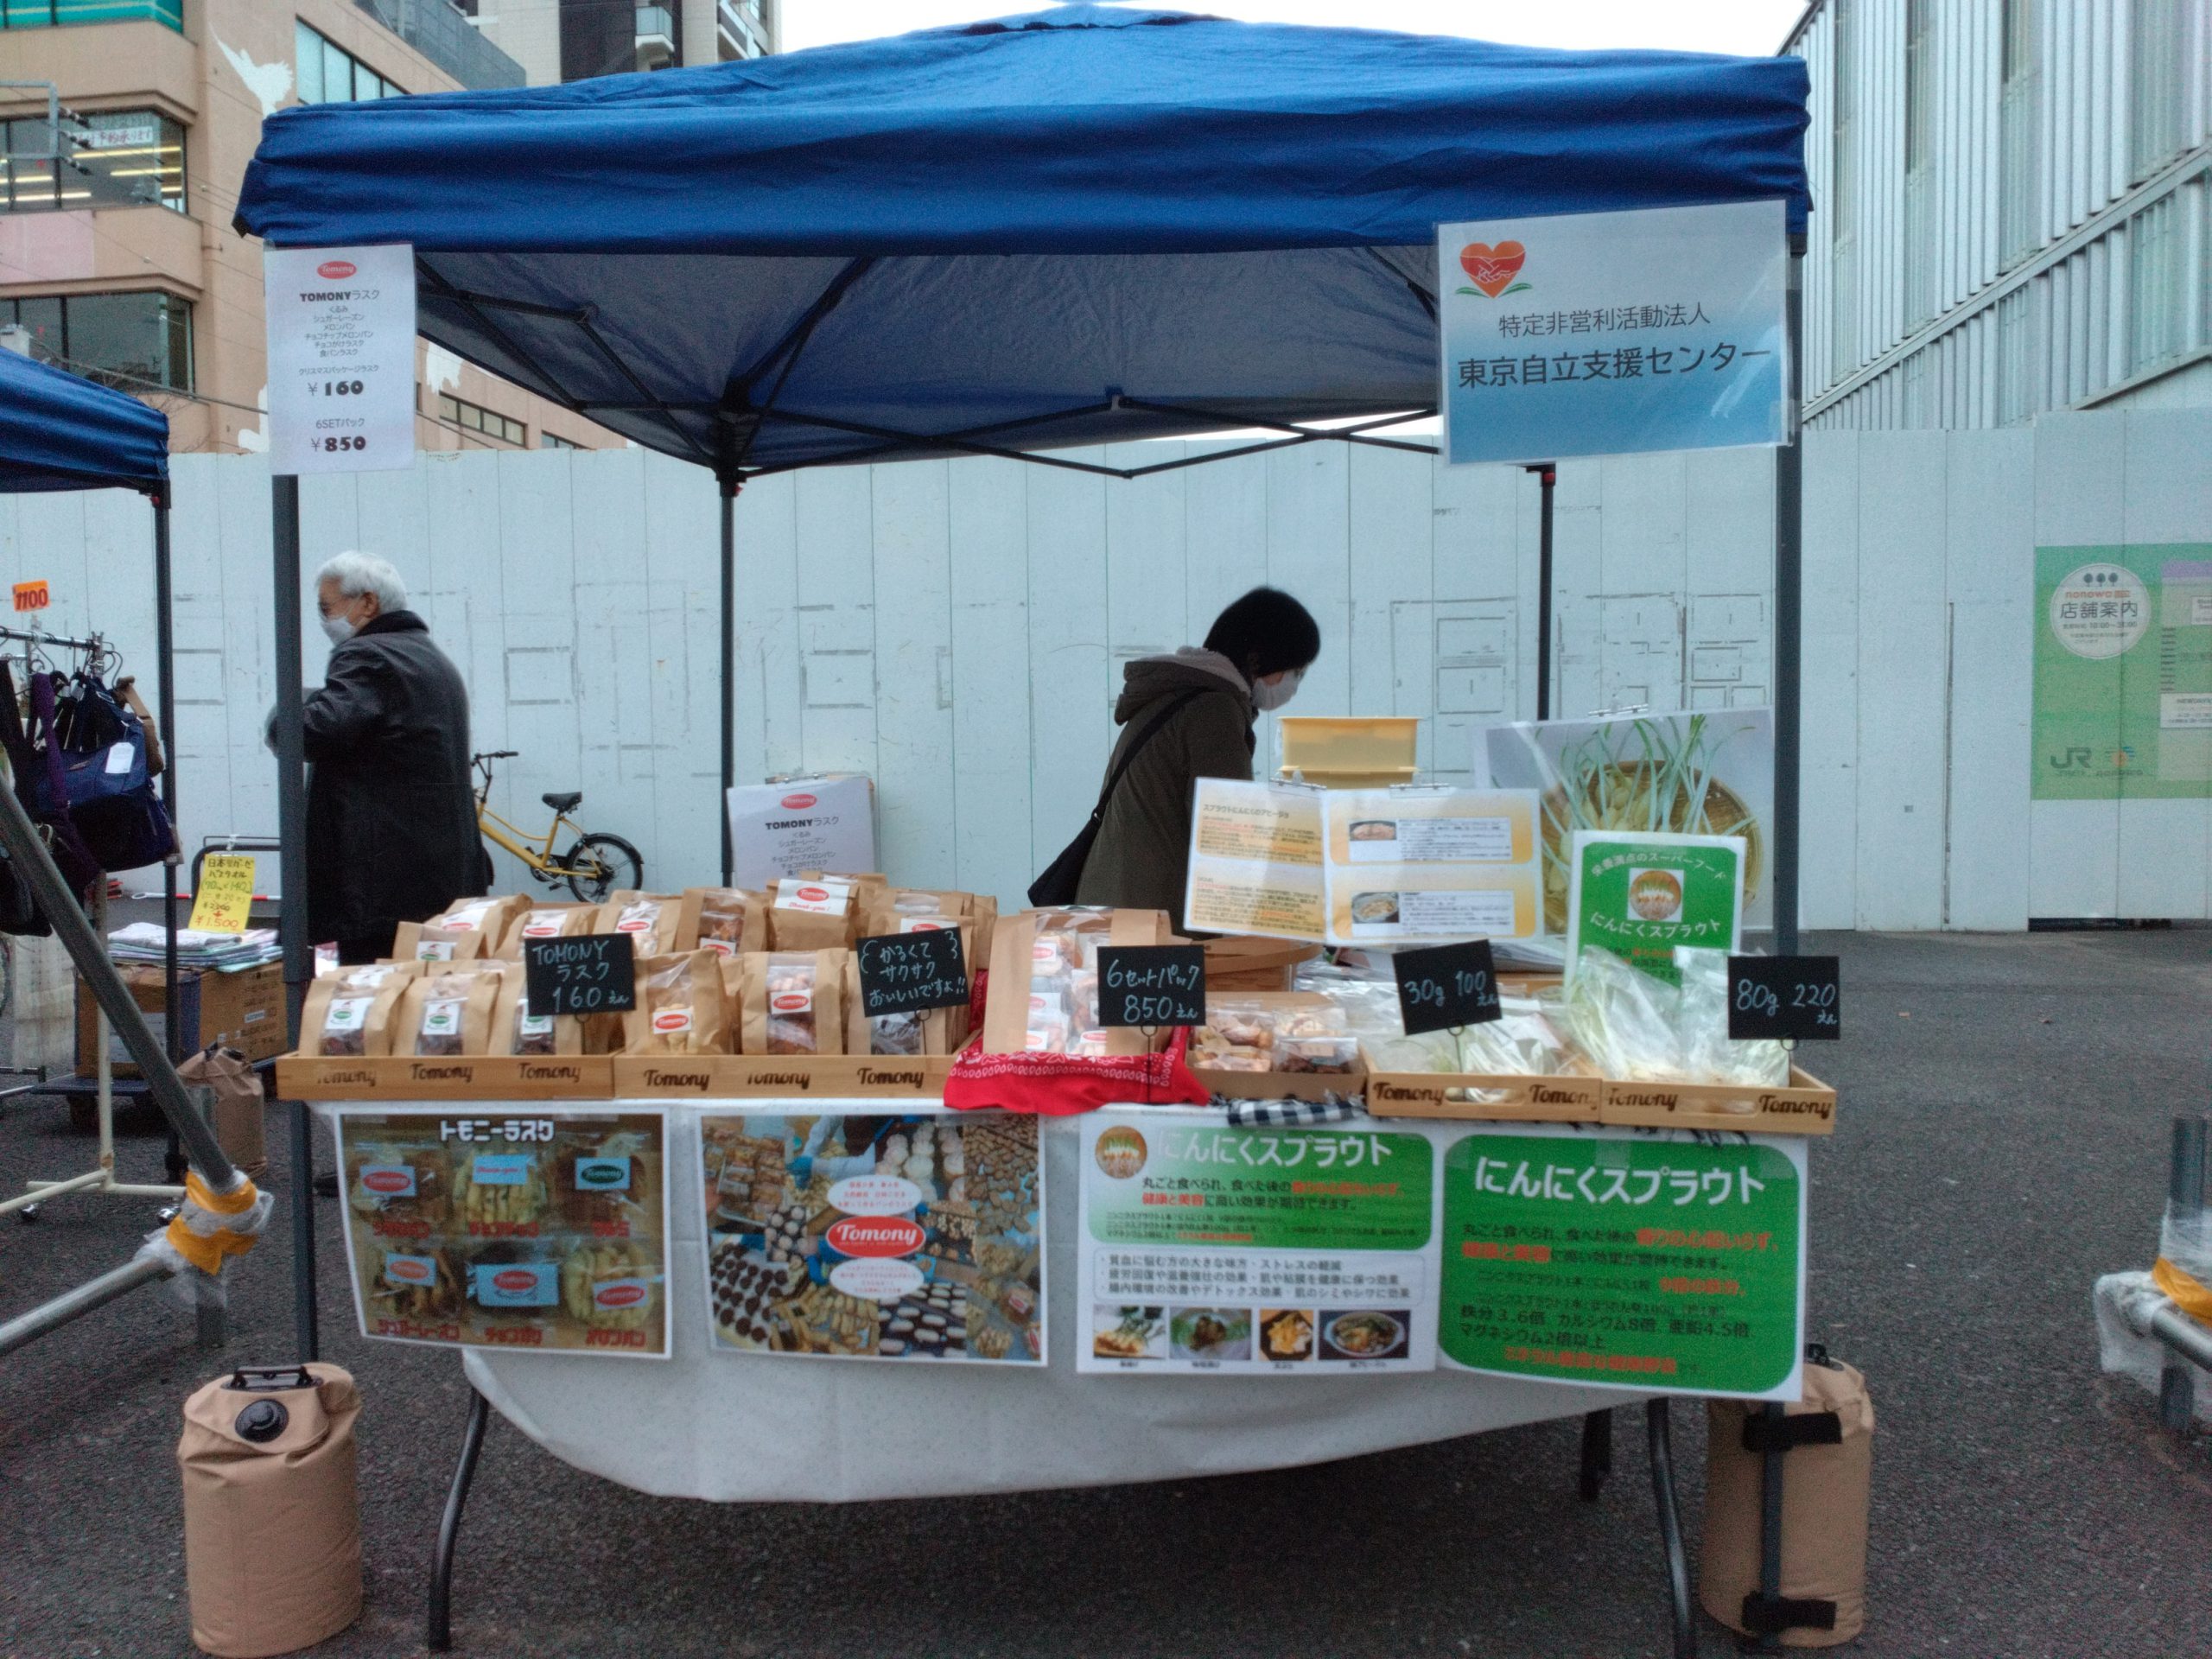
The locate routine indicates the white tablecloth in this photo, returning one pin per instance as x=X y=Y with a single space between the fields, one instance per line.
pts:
x=751 y=1428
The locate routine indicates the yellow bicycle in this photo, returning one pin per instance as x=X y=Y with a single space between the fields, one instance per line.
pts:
x=593 y=865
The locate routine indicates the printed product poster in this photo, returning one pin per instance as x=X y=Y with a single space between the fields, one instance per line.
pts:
x=341 y=358
x=1613 y=333
x=915 y=1236
x=2123 y=673
x=1380 y=867
x=1297 y=1252
x=1708 y=773
x=504 y=1229
x=1661 y=1263
x=1639 y=896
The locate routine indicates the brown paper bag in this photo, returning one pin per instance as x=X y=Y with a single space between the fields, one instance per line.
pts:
x=426 y=942
x=931 y=1030
x=447 y=1012
x=516 y=1031
x=349 y=1014
x=1044 y=983
x=730 y=920
x=679 y=1007
x=811 y=913
x=272 y=1528
x=654 y=921
x=547 y=922
x=794 y=1002
x=492 y=918
x=239 y=1105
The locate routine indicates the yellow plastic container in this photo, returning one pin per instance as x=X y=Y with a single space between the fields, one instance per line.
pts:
x=1325 y=743
x=1382 y=777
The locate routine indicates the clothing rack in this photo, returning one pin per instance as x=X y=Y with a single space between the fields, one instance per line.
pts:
x=34 y=637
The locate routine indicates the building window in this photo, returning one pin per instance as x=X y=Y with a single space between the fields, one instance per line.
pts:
x=1923 y=264
x=51 y=14
x=2158 y=280
x=2019 y=225
x=118 y=158
x=470 y=418
x=555 y=441
x=1843 y=192
x=325 y=73
x=2016 y=358
x=2160 y=55
x=143 y=340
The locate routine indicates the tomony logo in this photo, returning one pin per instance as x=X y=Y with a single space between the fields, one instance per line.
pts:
x=514 y=1279
x=385 y=1180
x=336 y=269
x=407 y=1268
x=799 y=803
x=1492 y=270
x=673 y=1020
x=814 y=895
x=628 y=1293
x=874 y=1235
x=790 y=1002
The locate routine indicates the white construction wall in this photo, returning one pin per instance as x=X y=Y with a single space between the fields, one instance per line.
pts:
x=958 y=630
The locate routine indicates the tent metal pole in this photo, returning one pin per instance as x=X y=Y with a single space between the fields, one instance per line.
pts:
x=165 y=651
x=1546 y=473
x=292 y=913
x=1788 y=619
x=729 y=489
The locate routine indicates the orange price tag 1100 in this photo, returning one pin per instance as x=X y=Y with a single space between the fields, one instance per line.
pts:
x=31 y=596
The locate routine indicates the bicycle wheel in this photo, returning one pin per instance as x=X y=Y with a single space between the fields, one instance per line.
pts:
x=599 y=864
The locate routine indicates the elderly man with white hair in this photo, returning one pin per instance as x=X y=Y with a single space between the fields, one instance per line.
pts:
x=391 y=818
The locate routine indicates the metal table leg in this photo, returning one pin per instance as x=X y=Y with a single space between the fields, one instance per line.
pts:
x=472 y=1446
x=1659 y=1432
x=1596 y=1453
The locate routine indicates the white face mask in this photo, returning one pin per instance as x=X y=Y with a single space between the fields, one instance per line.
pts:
x=1266 y=696
x=341 y=628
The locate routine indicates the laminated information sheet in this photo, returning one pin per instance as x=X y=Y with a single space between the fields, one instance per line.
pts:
x=502 y=1228
x=1640 y=895
x=1663 y=1263
x=1294 y=1251
x=1374 y=867
x=913 y=1236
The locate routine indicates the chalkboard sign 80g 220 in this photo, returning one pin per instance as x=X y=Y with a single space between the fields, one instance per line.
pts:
x=585 y=973
x=1787 y=998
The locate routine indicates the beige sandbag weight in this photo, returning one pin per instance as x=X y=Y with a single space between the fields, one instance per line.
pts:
x=1825 y=1494
x=272 y=1527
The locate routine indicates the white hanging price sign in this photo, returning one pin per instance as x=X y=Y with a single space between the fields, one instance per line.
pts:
x=341 y=358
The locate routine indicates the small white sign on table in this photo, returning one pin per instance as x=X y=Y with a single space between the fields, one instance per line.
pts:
x=341 y=358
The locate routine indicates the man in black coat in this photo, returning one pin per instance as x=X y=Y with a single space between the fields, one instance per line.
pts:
x=392 y=817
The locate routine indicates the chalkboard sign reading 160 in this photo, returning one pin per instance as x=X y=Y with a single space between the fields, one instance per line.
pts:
x=1154 y=985
x=586 y=973
x=1788 y=998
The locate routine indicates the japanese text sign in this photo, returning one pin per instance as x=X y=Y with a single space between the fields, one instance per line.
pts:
x=1613 y=333
x=1790 y=998
x=341 y=358
x=1640 y=894
x=906 y=973
x=588 y=973
x=1446 y=986
x=226 y=897
x=1152 y=985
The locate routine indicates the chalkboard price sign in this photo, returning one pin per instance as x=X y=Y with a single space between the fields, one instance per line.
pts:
x=1791 y=998
x=1446 y=985
x=905 y=973
x=1153 y=985
x=585 y=973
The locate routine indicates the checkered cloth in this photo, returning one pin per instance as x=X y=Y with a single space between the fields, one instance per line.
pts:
x=1292 y=1114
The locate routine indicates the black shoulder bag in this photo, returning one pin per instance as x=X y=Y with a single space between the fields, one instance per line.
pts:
x=1064 y=873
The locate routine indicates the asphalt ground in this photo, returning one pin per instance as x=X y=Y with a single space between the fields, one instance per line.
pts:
x=2002 y=1141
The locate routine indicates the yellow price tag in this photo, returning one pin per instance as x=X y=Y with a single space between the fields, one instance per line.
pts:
x=225 y=899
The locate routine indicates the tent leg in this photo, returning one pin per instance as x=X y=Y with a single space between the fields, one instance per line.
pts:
x=1596 y=1453
x=1789 y=620
x=1660 y=1435
x=1548 y=477
x=440 y=1634
x=729 y=487
x=165 y=653
x=292 y=911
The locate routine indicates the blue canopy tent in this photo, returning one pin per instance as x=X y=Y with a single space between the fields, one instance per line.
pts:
x=61 y=432
x=1080 y=226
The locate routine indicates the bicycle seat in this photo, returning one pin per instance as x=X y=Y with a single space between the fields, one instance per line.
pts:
x=563 y=801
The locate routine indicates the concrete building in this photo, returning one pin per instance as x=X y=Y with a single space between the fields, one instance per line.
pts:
x=116 y=254
x=555 y=41
x=2011 y=208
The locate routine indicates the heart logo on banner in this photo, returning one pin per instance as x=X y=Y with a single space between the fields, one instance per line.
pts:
x=1492 y=269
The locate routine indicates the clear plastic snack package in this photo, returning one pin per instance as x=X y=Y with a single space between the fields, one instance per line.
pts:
x=681 y=1008
x=1638 y=1029
x=729 y=920
x=656 y=922
x=1274 y=1032
x=516 y=1030
x=793 y=1003
x=1523 y=1041
x=1709 y=1054
x=548 y=921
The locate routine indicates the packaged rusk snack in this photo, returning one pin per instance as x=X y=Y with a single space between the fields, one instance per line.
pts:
x=793 y=1003
x=730 y=921
x=680 y=1006
x=516 y=1030
x=813 y=913
x=1043 y=986
x=447 y=1012
x=349 y=1014
x=541 y=922
x=658 y=923
x=492 y=918
x=425 y=942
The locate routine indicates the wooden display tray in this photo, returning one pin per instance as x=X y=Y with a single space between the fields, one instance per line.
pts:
x=1805 y=1107
x=747 y=1076
x=1283 y=1085
x=471 y=1077
x=1514 y=1099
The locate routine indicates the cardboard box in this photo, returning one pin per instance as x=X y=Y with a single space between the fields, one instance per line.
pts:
x=468 y=1076
x=244 y=1011
x=1807 y=1106
x=789 y=824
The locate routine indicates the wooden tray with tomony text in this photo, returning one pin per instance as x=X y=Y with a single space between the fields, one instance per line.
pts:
x=460 y=1077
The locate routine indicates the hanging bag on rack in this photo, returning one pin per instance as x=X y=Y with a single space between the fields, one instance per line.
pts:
x=93 y=774
x=27 y=764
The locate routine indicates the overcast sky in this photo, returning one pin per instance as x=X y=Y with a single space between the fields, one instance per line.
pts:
x=1752 y=28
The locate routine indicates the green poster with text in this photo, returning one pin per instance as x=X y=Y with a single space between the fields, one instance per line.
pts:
x=1639 y=894
x=1657 y=1263
x=2123 y=673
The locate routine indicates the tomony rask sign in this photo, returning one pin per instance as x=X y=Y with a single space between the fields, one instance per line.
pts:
x=1609 y=334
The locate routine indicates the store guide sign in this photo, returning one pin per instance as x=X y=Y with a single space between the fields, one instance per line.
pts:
x=1613 y=333
x=341 y=358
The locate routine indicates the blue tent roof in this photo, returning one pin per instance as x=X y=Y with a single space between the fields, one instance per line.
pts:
x=981 y=235
x=58 y=432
